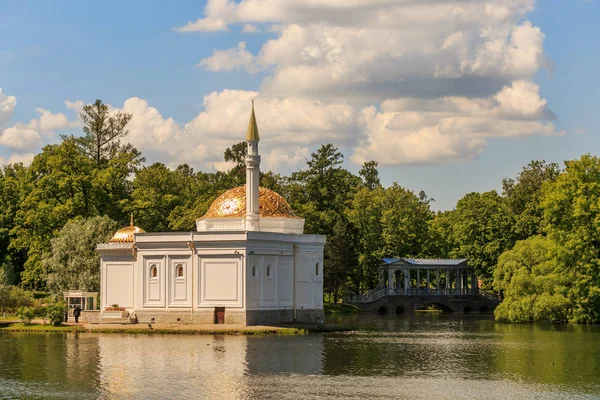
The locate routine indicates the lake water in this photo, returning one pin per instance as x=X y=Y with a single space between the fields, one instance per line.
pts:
x=409 y=357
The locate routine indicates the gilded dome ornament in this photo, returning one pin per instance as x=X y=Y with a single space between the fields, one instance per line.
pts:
x=126 y=235
x=232 y=203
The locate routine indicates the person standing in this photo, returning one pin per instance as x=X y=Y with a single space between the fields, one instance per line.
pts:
x=77 y=313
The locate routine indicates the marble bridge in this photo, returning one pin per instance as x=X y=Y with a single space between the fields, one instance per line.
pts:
x=408 y=284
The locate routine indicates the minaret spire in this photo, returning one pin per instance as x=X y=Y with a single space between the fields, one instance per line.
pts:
x=252 y=174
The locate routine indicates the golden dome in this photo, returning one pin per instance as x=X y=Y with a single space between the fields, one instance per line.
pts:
x=232 y=203
x=125 y=235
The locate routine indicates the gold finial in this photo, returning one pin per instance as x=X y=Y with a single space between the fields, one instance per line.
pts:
x=252 y=133
x=131 y=220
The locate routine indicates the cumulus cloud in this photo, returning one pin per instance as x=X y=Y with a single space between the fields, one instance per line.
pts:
x=20 y=137
x=7 y=105
x=450 y=129
x=249 y=28
x=25 y=158
x=226 y=60
x=399 y=81
x=287 y=127
x=28 y=137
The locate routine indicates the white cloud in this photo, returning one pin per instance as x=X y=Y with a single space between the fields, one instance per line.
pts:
x=20 y=137
x=75 y=106
x=29 y=137
x=434 y=80
x=7 y=105
x=249 y=28
x=25 y=158
x=451 y=129
x=226 y=60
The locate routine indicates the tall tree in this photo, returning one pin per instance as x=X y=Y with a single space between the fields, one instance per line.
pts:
x=370 y=175
x=571 y=215
x=237 y=154
x=73 y=262
x=59 y=187
x=366 y=213
x=524 y=193
x=482 y=227
x=103 y=132
x=534 y=285
x=342 y=259
x=13 y=180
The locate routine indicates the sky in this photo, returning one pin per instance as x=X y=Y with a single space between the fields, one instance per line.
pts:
x=448 y=96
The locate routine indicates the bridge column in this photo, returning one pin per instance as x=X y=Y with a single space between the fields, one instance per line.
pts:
x=418 y=279
x=428 y=281
x=458 y=280
x=390 y=280
x=406 y=280
x=437 y=279
x=448 y=281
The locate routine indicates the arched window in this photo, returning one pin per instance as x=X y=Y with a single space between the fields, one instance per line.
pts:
x=254 y=270
x=317 y=269
x=268 y=270
x=153 y=271
x=179 y=270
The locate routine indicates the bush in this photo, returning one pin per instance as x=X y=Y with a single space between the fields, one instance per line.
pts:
x=56 y=313
x=12 y=298
x=41 y=311
x=26 y=314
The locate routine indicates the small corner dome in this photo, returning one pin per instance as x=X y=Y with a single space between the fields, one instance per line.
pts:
x=125 y=235
x=232 y=204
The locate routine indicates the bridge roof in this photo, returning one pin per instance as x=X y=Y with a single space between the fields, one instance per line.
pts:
x=426 y=261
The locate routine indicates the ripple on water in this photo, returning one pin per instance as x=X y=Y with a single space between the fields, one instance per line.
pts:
x=410 y=360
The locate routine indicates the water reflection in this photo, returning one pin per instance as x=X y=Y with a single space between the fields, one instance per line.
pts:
x=412 y=358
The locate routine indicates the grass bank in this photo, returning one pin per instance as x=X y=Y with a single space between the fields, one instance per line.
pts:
x=157 y=329
x=20 y=327
x=340 y=308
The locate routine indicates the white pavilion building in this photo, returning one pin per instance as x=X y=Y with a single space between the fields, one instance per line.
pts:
x=247 y=262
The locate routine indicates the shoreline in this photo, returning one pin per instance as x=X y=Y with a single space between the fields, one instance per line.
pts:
x=172 y=328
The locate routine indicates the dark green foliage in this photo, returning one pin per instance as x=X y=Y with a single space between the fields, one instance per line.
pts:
x=27 y=314
x=56 y=313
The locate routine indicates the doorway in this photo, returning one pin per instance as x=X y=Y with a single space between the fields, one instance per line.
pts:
x=219 y=315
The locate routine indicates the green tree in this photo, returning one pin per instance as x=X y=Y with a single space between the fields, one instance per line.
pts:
x=370 y=175
x=103 y=132
x=524 y=193
x=365 y=213
x=59 y=187
x=404 y=222
x=533 y=282
x=73 y=262
x=482 y=229
x=342 y=260
x=572 y=218
x=13 y=178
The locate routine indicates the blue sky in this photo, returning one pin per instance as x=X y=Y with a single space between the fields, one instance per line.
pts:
x=448 y=99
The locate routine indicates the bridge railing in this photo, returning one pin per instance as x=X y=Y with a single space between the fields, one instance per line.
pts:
x=369 y=297
x=489 y=296
x=376 y=294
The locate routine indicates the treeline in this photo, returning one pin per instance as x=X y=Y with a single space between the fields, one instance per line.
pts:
x=537 y=244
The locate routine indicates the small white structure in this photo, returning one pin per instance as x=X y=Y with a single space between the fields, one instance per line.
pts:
x=248 y=262
x=87 y=301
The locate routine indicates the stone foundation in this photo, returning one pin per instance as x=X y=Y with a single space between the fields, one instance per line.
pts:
x=232 y=316
x=186 y=317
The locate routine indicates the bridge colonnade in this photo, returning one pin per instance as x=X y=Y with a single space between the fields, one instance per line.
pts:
x=428 y=277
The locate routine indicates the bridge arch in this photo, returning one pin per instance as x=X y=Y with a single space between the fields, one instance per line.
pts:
x=399 y=310
x=382 y=310
x=467 y=309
